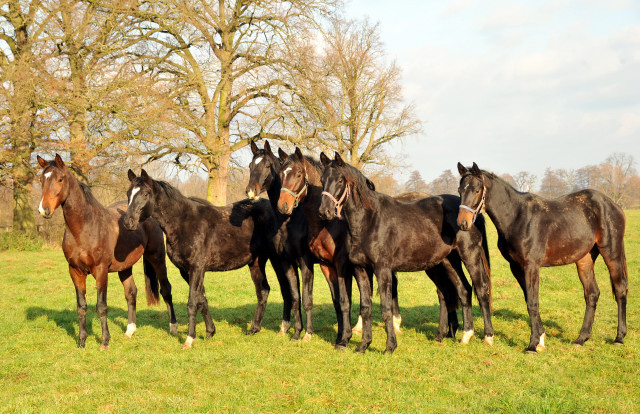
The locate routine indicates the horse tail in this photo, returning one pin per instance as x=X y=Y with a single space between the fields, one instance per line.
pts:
x=486 y=262
x=151 y=282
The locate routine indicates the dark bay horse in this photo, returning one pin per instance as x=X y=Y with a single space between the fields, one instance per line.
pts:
x=388 y=235
x=291 y=238
x=329 y=241
x=95 y=241
x=202 y=237
x=534 y=232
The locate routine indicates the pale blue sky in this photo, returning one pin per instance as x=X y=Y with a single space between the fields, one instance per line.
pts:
x=515 y=85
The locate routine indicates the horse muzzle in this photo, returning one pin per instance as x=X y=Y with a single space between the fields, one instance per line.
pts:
x=130 y=223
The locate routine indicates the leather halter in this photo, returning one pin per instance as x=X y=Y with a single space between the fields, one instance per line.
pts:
x=339 y=203
x=297 y=196
x=480 y=207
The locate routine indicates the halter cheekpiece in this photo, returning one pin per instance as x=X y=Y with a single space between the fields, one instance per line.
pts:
x=339 y=203
x=481 y=204
x=297 y=195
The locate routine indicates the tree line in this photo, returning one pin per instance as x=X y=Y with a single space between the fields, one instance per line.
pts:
x=616 y=176
x=115 y=84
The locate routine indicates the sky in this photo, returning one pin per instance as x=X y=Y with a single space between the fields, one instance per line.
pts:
x=514 y=85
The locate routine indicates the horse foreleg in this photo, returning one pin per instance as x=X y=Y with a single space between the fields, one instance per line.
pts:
x=262 y=293
x=130 y=293
x=448 y=299
x=332 y=280
x=364 y=286
x=101 y=275
x=79 y=279
x=475 y=263
x=306 y=269
x=196 y=280
x=157 y=260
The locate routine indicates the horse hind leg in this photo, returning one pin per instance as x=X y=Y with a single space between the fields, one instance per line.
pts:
x=160 y=268
x=591 y=294
x=617 y=265
x=130 y=294
x=262 y=287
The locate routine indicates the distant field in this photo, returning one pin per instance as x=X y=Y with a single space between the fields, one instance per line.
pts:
x=41 y=370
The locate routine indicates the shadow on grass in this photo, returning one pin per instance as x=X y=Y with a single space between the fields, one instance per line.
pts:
x=424 y=319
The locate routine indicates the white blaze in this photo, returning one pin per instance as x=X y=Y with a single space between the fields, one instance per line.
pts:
x=133 y=193
x=47 y=175
x=287 y=172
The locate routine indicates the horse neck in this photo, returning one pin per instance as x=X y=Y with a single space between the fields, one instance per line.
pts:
x=357 y=216
x=311 y=202
x=77 y=210
x=273 y=192
x=168 y=211
x=503 y=204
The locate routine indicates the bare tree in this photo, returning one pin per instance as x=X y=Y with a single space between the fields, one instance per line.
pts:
x=347 y=96
x=415 y=182
x=20 y=30
x=525 y=181
x=220 y=62
x=446 y=183
x=553 y=185
x=615 y=174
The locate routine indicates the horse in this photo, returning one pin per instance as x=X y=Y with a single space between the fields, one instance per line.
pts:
x=291 y=238
x=534 y=232
x=388 y=235
x=202 y=237
x=95 y=241
x=329 y=241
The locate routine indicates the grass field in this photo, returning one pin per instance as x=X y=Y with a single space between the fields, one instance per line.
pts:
x=41 y=370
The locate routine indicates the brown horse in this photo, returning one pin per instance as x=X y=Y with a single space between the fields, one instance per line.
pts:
x=95 y=241
x=534 y=232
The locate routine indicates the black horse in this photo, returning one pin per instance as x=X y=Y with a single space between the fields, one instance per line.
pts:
x=534 y=232
x=291 y=238
x=388 y=235
x=202 y=237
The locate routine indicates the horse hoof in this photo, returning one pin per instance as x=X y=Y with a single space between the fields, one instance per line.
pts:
x=306 y=338
x=104 y=347
x=577 y=345
x=488 y=340
x=618 y=343
x=356 y=331
x=540 y=348
x=339 y=347
x=466 y=337
x=173 y=329
x=531 y=351
x=281 y=332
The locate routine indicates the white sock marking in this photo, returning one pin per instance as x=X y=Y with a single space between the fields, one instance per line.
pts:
x=466 y=337
x=131 y=328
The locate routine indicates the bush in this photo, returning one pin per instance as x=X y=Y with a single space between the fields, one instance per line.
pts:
x=20 y=241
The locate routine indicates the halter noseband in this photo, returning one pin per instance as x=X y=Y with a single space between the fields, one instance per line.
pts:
x=339 y=203
x=480 y=206
x=297 y=195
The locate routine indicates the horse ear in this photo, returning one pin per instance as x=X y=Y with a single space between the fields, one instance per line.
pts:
x=41 y=161
x=298 y=154
x=462 y=169
x=131 y=175
x=267 y=147
x=146 y=178
x=371 y=185
x=324 y=159
x=475 y=170
x=283 y=155
x=254 y=147
x=59 y=161
x=338 y=160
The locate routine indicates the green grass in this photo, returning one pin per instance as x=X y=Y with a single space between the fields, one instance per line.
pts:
x=41 y=370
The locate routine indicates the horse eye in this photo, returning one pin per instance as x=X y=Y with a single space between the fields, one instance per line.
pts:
x=477 y=190
x=60 y=179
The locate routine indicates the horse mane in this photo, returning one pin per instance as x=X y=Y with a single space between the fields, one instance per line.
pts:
x=88 y=195
x=314 y=175
x=174 y=193
x=359 y=187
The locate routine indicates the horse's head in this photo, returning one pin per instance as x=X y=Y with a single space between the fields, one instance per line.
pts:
x=55 y=185
x=472 y=191
x=262 y=170
x=293 y=176
x=140 y=196
x=336 y=187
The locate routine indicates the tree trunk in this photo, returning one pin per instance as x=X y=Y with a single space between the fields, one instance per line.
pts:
x=218 y=178
x=23 y=219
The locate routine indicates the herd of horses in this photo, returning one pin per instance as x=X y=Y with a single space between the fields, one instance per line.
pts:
x=327 y=212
